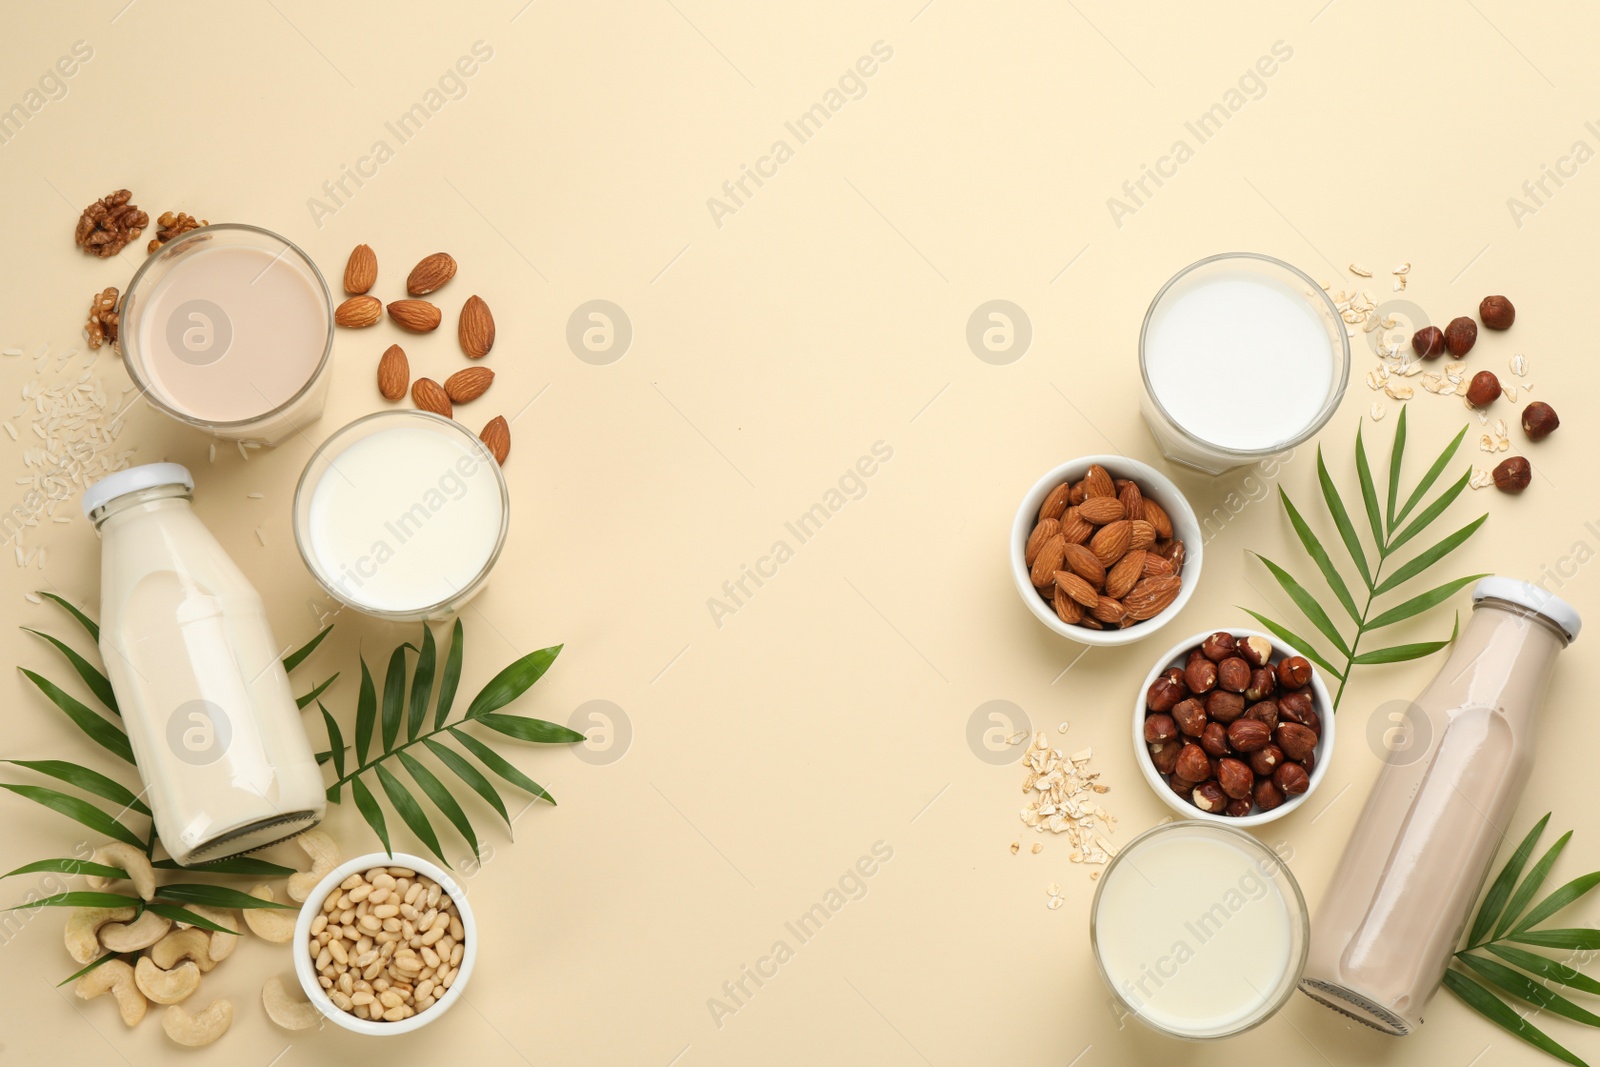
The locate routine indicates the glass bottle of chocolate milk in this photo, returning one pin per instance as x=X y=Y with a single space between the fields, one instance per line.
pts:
x=1405 y=888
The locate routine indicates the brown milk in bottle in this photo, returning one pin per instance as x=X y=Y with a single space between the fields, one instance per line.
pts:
x=1456 y=763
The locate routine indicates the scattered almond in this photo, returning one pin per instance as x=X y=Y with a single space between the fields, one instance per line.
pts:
x=394 y=373
x=429 y=395
x=430 y=274
x=1098 y=483
x=497 y=436
x=476 y=328
x=358 y=312
x=468 y=384
x=361 y=271
x=418 y=316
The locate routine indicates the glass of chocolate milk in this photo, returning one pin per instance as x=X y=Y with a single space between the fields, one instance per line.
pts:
x=1404 y=890
x=228 y=328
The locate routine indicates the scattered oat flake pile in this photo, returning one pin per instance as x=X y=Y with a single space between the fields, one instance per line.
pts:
x=1063 y=798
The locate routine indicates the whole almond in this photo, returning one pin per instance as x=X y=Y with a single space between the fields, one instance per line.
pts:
x=1055 y=502
x=361 y=270
x=418 y=316
x=1085 y=564
x=1098 y=482
x=1045 y=530
x=1125 y=574
x=1156 y=516
x=476 y=328
x=1048 y=562
x=497 y=436
x=1151 y=596
x=1141 y=534
x=430 y=274
x=1076 y=495
x=468 y=384
x=1074 y=527
x=1111 y=541
x=429 y=395
x=1075 y=587
x=1108 y=610
x=394 y=373
x=1155 y=565
x=1132 y=498
x=1068 y=610
x=358 y=311
x=1100 y=510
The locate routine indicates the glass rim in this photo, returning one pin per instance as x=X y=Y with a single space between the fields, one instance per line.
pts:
x=1297 y=911
x=1330 y=404
x=442 y=424
x=146 y=387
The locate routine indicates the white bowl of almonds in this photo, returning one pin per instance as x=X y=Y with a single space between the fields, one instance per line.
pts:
x=360 y=908
x=1105 y=550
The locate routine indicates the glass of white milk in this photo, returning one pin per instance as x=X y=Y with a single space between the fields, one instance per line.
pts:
x=1199 y=930
x=1243 y=357
x=402 y=514
x=229 y=329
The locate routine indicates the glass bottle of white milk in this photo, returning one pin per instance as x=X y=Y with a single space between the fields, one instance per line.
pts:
x=225 y=761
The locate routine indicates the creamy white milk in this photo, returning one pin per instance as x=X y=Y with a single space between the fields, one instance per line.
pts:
x=203 y=693
x=405 y=518
x=1239 y=359
x=1193 y=932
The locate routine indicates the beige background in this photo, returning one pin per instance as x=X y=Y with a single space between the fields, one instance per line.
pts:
x=827 y=313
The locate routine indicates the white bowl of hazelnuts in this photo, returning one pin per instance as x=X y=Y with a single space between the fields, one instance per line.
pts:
x=1233 y=727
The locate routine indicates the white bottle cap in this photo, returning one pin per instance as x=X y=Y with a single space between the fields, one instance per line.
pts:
x=1533 y=598
x=132 y=480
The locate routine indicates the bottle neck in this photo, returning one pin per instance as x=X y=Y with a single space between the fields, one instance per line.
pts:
x=141 y=500
x=1522 y=611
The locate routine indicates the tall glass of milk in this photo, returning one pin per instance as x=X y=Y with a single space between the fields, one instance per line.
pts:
x=402 y=514
x=1199 y=930
x=203 y=694
x=228 y=328
x=1243 y=357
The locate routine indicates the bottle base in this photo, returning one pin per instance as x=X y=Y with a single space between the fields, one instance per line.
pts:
x=1353 y=1005
x=253 y=836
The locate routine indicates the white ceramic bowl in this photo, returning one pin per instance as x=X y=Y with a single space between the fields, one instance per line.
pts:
x=1175 y=657
x=1153 y=484
x=305 y=967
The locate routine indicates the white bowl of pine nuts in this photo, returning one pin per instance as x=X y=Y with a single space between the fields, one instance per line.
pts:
x=419 y=909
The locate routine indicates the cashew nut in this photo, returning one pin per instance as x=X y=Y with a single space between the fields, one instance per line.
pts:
x=222 y=945
x=130 y=859
x=115 y=977
x=166 y=987
x=193 y=943
x=291 y=1013
x=200 y=1028
x=143 y=932
x=325 y=856
x=269 y=924
x=83 y=929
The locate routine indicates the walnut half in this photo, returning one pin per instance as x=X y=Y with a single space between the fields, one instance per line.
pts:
x=107 y=225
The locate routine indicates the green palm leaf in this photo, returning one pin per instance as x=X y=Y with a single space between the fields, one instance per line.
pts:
x=80 y=899
x=1531 y=884
x=1418 y=604
x=499 y=765
x=1494 y=902
x=538 y=731
x=1525 y=988
x=394 y=695
x=183 y=915
x=101 y=731
x=298 y=656
x=1369 y=494
x=216 y=896
x=303 y=702
x=335 y=749
x=1502 y=1015
x=1546 y=968
x=249 y=866
x=1294 y=641
x=441 y=799
x=68 y=866
x=367 y=804
x=87 y=623
x=421 y=684
x=1580 y=938
x=512 y=682
x=98 y=683
x=366 y=714
x=92 y=782
x=410 y=811
x=452 y=675
x=1430 y=556
x=1307 y=604
x=1313 y=546
x=1431 y=512
x=470 y=775
x=1432 y=476
x=98 y=961
x=1341 y=520
x=1401 y=653
x=1553 y=903
x=79 y=810
x=1395 y=458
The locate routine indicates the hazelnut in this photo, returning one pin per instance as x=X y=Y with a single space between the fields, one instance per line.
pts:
x=1460 y=336
x=1214 y=739
x=1195 y=653
x=1294 y=672
x=1223 y=706
x=1201 y=675
x=1539 y=420
x=1296 y=741
x=1263 y=683
x=1210 y=798
x=1182 y=786
x=1256 y=651
x=1484 y=389
x=1268 y=796
x=1263 y=711
x=1291 y=778
x=1248 y=735
x=1235 y=778
x=1218 y=647
x=1237 y=809
x=1293 y=706
x=1308 y=718
x=1497 y=313
x=1265 y=760
x=1164 y=756
x=1310 y=762
x=1428 y=342
x=1190 y=716
x=1159 y=727
x=1513 y=475
x=1164 y=694
x=1193 y=764
x=1233 y=674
